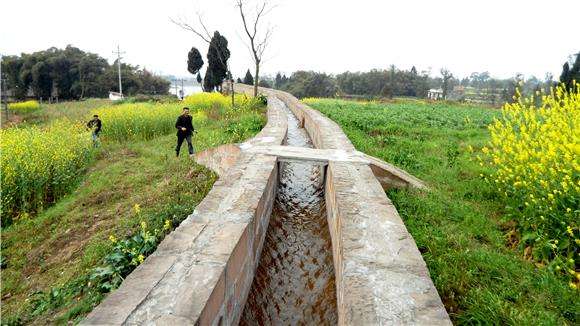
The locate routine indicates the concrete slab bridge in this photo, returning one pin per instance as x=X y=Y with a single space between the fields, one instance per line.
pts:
x=228 y=263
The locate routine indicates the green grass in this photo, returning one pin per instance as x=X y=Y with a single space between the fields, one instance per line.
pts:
x=459 y=228
x=70 y=238
x=48 y=258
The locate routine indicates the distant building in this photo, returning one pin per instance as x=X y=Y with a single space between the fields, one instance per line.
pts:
x=435 y=94
x=114 y=96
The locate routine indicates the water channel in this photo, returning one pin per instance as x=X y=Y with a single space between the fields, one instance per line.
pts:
x=294 y=282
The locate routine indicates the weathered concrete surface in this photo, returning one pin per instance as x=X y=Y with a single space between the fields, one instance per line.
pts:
x=391 y=176
x=222 y=158
x=201 y=272
x=219 y=159
x=381 y=277
x=303 y=154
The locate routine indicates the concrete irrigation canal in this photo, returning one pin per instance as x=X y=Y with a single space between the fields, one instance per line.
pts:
x=296 y=231
x=294 y=282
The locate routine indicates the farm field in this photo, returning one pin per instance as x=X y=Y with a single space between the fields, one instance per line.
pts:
x=61 y=257
x=46 y=113
x=474 y=252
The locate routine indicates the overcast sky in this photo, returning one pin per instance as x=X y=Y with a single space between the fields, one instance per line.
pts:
x=503 y=37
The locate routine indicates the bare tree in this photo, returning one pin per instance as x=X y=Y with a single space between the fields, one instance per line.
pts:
x=258 y=42
x=203 y=33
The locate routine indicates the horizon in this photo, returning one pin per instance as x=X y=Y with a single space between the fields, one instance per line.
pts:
x=465 y=42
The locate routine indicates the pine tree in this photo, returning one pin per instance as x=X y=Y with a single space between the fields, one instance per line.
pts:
x=565 y=77
x=570 y=74
x=208 y=84
x=248 y=79
x=217 y=58
x=194 y=61
x=575 y=71
x=278 y=81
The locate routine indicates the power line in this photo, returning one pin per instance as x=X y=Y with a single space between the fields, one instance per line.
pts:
x=118 y=53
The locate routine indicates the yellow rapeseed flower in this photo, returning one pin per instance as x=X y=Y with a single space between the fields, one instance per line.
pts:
x=535 y=153
x=167 y=225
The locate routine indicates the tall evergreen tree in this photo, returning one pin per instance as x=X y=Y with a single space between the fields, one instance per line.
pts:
x=198 y=78
x=194 y=61
x=278 y=81
x=248 y=78
x=575 y=71
x=565 y=77
x=208 y=84
x=217 y=60
x=571 y=73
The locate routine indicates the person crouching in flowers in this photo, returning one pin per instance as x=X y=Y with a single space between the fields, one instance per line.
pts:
x=185 y=129
x=95 y=124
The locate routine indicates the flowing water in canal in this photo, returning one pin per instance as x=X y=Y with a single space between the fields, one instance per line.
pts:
x=294 y=282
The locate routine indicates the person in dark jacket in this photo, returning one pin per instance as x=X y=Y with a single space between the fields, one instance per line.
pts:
x=95 y=124
x=185 y=129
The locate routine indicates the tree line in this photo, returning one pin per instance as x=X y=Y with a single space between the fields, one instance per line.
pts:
x=386 y=83
x=71 y=73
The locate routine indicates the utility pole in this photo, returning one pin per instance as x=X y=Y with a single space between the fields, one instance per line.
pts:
x=118 y=53
x=3 y=95
x=182 y=90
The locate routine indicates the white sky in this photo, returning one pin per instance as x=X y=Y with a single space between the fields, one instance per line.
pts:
x=503 y=37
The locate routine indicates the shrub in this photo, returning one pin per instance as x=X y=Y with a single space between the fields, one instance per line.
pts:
x=207 y=100
x=245 y=126
x=126 y=255
x=24 y=107
x=40 y=165
x=536 y=156
x=212 y=100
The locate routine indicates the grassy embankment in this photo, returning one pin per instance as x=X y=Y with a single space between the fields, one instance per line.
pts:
x=459 y=226
x=49 y=256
